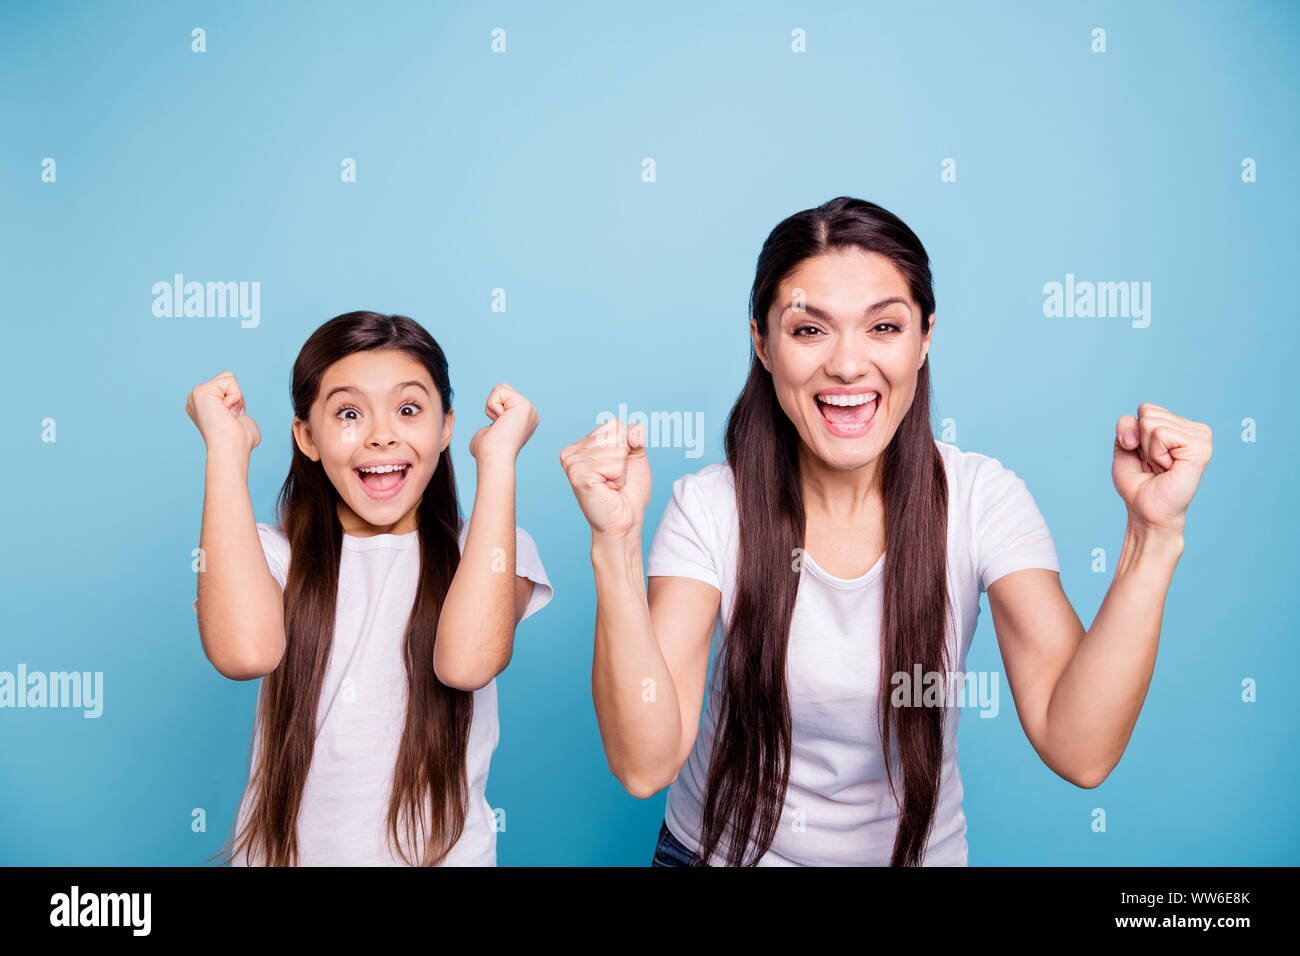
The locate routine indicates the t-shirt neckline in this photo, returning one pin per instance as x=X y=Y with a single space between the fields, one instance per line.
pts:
x=397 y=542
x=843 y=583
x=401 y=542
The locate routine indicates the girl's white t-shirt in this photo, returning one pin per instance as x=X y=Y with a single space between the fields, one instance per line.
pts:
x=343 y=817
x=838 y=808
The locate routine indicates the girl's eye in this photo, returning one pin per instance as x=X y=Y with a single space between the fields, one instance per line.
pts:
x=342 y=412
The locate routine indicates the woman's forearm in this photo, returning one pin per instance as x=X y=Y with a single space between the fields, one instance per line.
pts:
x=1096 y=702
x=640 y=722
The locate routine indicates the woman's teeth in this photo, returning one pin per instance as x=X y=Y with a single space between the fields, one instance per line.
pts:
x=848 y=414
x=845 y=400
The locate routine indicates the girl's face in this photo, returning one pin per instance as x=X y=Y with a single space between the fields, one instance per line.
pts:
x=377 y=428
x=857 y=344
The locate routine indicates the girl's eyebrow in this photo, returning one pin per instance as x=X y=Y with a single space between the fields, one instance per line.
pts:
x=352 y=388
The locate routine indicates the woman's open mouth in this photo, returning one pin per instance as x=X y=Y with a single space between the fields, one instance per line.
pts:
x=382 y=481
x=848 y=416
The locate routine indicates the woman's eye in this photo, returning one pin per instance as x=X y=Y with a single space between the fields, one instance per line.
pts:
x=888 y=325
x=802 y=328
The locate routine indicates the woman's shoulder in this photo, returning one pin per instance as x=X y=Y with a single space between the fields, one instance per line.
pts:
x=982 y=483
x=717 y=474
x=706 y=497
x=963 y=466
x=712 y=487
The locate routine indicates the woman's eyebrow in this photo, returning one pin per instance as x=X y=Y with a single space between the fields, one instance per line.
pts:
x=870 y=310
x=352 y=388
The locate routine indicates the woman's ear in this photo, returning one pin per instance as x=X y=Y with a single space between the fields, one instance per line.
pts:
x=925 y=343
x=302 y=438
x=760 y=347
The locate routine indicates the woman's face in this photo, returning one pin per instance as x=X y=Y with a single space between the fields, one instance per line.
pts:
x=376 y=409
x=855 y=342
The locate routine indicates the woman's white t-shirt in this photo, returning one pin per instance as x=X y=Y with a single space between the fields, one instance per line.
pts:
x=838 y=808
x=361 y=716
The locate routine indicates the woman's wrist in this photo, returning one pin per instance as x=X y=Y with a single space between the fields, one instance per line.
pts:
x=616 y=550
x=1147 y=546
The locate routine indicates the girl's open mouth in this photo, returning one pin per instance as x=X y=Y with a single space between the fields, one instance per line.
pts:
x=384 y=481
x=848 y=417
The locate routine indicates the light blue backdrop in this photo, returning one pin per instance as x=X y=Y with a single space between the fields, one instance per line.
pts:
x=523 y=171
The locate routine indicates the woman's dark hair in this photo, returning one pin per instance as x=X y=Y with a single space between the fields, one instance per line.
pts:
x=430 y=771
x=749 y=768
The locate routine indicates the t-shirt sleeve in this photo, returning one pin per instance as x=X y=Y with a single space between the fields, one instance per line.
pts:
x=276 y=551
x=685 y=543
x=1010 y=533
x=528 y=564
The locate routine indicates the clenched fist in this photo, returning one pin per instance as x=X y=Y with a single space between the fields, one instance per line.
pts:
x=217 y=408
x=513 y=422
x=1158 y=462
x=610 y=475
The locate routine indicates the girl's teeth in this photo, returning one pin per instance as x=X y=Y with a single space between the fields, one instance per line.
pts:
x=383 y=478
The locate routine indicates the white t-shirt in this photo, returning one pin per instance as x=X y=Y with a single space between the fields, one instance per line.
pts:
x=360 y=718
x=838 y=808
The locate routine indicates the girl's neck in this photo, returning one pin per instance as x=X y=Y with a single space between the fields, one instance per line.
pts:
x=357 y=527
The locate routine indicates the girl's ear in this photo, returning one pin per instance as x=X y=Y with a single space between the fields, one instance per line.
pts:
x=448 y=424
x=302 y=437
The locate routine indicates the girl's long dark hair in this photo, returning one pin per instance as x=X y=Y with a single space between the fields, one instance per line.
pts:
x=429 y=795
x=749 y=768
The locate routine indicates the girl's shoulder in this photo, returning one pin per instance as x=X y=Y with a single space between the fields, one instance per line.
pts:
x=273 y=537
x=275 y=545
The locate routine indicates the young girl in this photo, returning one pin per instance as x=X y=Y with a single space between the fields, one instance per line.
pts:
x=376 y=617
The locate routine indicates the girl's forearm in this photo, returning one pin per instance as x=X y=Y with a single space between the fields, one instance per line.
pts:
x=632 y=688
x=240 y=609
x=1096 y=702
x=476 y=629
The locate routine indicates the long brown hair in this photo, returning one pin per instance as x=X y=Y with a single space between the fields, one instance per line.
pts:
x=430 y=769
x=749 y=768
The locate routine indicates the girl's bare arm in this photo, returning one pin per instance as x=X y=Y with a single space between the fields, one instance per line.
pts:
x=240 y=605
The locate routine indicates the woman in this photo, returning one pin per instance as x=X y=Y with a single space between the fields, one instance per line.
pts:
x=839 y=551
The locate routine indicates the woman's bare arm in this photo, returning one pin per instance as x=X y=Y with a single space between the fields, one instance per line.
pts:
x=650 y=664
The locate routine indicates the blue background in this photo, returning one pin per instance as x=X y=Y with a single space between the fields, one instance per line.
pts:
x=522 y=171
